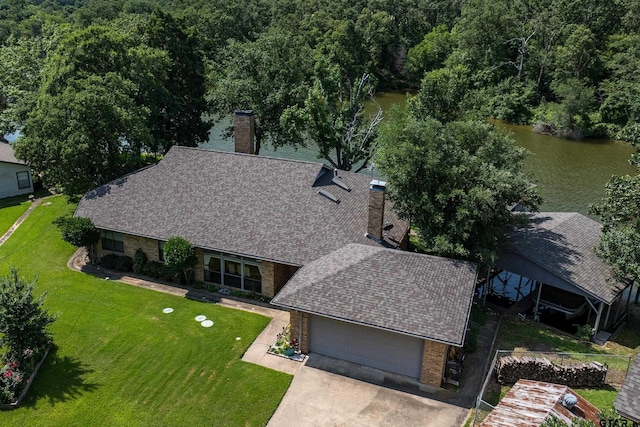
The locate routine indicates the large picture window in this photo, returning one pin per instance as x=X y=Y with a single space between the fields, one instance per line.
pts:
x=112 y=241
x=236 y=272
x=23 y=180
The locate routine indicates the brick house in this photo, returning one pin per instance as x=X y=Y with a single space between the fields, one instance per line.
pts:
x=15 y=175
x=255 y=221
x=393 y=310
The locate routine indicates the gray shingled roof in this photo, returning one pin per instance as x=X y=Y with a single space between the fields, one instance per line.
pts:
x=250 y=205
x=413 y=294
x=563 y=243
x=628 y=401
x=7 y=155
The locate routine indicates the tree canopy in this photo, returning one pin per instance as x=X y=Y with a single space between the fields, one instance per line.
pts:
x=108 y=96
x=455 y=181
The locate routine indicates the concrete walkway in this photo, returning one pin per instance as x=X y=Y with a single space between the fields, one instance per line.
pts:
x=256 y=353
x=19 y=221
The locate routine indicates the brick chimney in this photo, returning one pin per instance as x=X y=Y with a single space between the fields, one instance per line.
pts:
x=244 y=131
x=376 y=209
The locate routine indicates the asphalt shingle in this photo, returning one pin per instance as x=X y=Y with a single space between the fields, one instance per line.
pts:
x=563 y=243
x=7 y=155
x=627 y=402
x=414 y=294
x=249 y=205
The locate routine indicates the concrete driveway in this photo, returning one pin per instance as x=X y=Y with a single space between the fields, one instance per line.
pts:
x=320 y=398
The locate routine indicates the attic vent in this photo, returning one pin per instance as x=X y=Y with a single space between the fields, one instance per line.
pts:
x=569 y=400
x=329 y=196
x=340 y=183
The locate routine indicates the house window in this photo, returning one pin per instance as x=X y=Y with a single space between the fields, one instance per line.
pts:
x=236 y=272
x=23 y=180
x=161 y=250
x=112 y=241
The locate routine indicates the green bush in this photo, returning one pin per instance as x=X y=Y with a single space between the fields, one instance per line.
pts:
x=140 y=259
x=78 y=231
x=157 y=270
x=117 y=262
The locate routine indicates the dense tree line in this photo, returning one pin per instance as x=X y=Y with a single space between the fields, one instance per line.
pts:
x=99 y=87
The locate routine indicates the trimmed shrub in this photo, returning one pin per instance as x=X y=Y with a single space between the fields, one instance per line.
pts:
x=157 y=270
x=117 y=262
x=140 y=259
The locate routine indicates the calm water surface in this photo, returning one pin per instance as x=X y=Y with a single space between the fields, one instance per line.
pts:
x=570 y=174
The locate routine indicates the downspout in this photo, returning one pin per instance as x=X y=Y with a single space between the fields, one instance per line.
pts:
x=300 y=331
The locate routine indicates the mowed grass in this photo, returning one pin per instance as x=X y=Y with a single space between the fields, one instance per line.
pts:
x=10 y=210
x=120 y=361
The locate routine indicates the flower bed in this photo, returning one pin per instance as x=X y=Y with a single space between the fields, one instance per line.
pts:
x=284 y=345
x=14 y=380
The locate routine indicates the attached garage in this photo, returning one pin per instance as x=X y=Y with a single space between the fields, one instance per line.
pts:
x=385 y=308
x=373 y=347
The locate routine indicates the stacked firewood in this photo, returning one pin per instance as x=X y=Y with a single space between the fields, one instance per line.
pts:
x=510 y=369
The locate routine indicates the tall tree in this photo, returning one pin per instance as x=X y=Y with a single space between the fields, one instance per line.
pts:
x=266 y=76
x=333 y=118
x=176 y=102
x=619 y=212
x=454 y=181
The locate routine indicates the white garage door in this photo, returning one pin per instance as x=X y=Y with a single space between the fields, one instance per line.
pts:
x=368 y=346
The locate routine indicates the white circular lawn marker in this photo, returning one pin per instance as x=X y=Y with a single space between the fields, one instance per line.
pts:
x=201 y=317
x=206 y=323
x=167 y=310
x=237 y=338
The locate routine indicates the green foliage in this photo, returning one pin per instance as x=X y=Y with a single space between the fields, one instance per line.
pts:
x=455 y=182
x=117 y=262
x=23 y=319
x=78 y=231
x=140 y=259
x=333 y=118
x=442 y=94
x=431 y=52
x=584 y=332
x=180 y=255
x=266 y=76
x=158 y=270
x=509 y=100
x=619 y=244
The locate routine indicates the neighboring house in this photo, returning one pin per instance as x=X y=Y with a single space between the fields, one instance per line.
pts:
x=557 y=251
x=627 y=402
x=530 y=403
x=393 y=310
x=15 y=175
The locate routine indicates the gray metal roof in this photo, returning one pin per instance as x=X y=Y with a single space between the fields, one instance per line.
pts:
x=405 y=292
x=627 y=402
x=256 y=206
x=7 y=155
x=561 y=246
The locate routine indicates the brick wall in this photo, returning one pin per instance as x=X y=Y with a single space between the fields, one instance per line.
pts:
x=243 y=131
x=148 y=246
x=274 y=277
x=376 y=209
x=295 y=318
x=198 y=270
x=434 y=359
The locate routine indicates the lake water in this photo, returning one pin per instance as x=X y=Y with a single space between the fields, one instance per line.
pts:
x=570 y=174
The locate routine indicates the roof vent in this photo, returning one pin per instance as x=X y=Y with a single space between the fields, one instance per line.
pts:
x=569 y=401
x=340 y=183
x=329 y=196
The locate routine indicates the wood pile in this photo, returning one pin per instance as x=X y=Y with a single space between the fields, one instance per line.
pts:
x=510 y=369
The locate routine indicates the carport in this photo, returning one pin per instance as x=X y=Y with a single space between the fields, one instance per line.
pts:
x=389 y=309
x=557 y=249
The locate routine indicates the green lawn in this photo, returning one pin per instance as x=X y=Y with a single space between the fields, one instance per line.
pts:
x=11 y=209
x=119 y=360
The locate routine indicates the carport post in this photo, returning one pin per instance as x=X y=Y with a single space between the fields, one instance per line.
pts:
x=606 y=319
x=598 y=317
x=535 y=310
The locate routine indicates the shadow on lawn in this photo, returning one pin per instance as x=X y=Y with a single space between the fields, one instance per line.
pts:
x=60 y=379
